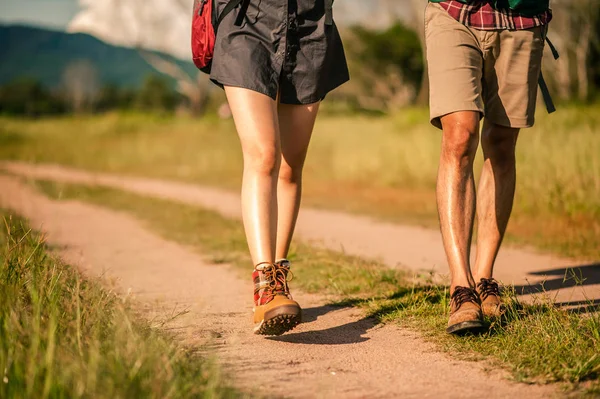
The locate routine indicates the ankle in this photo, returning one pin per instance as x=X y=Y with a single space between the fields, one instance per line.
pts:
x=478 y=277
x=263 y=265
x=453 y=286
x=462 y=281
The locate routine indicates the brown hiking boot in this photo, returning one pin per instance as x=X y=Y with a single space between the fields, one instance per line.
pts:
x=465 y=311
x=275 y=312
x=489 y=295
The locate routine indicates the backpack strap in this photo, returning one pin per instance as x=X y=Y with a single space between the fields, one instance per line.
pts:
x=541 y=81
x=552 y=48
x=242 y=13
x=550 y=107
x=229 y=8
x=328 y=12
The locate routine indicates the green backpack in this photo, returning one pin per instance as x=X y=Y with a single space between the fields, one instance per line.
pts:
x=527 y=8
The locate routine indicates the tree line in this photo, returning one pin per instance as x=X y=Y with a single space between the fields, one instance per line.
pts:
x=30 y=98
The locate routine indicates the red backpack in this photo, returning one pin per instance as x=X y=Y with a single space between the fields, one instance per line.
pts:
x=204 y=29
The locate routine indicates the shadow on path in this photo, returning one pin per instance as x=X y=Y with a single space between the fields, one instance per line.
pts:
x=312 y=314
x=581 y=307
x=563 y=278
x=568 y=277
x=349 y=333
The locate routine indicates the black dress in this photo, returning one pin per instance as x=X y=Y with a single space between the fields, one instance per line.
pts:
x=290 y=47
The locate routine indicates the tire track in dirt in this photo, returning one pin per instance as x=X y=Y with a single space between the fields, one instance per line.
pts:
x=335 y=353
x=414 y=248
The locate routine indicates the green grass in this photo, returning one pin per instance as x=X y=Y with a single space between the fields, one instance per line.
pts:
x=62 y=336
x=538 y=343
x=381 y=166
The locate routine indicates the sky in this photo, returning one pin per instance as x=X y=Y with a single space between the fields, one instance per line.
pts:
x=51 y=13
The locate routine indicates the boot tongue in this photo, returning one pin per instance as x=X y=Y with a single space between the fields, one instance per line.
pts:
x=267 y=283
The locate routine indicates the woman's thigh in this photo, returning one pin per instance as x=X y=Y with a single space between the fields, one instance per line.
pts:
x=296 y=123
x=255 y=117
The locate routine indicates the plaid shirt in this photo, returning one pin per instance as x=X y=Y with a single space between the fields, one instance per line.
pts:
x=483 y=16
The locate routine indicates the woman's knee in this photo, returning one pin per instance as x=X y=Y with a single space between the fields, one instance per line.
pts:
x=290 y=171
x=263 y=160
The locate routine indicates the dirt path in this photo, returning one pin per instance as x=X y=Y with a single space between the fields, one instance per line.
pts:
x=336 y=353
x=415 y=248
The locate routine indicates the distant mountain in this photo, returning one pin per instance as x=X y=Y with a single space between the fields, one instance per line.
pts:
x=44 y=54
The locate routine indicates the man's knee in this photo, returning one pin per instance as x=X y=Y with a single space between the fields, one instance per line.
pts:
x=499 y=143
x=460 y=136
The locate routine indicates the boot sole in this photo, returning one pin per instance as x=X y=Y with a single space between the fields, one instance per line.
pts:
x=465 y=326
x=279 y=321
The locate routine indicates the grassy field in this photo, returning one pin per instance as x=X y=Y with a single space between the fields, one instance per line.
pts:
x=62 y=336
x=538 y=343
x=381 y=166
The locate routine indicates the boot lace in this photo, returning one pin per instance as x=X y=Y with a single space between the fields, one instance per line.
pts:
x=274 y=279
x=487 y=287
x=463 y=295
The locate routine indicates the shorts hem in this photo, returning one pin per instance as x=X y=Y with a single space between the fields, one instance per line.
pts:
x=222 y=83
x=282 y=99
x=295 y=101
x=514 y=123
x=435 y=117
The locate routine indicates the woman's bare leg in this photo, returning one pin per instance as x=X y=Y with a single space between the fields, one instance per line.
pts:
x=296 y=123
x=255 y=117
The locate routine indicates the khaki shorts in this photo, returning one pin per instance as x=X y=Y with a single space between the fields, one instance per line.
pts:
x=492 y=72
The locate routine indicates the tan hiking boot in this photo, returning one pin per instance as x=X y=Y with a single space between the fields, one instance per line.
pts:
x=275 y=312
x=465 y=311
x=489 y=295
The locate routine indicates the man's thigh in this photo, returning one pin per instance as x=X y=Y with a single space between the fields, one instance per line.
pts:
x=455 y=63
x=511 y=75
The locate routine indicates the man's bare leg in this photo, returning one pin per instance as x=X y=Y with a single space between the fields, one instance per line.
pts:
x=456 y=208
x=495 y=194
x=456 y=192
x=495 y=197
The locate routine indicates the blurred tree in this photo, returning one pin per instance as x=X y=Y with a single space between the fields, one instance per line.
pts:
x=80 y=85
x=114 y=97
x=194 y=88
x=574 y=31
x=595 y=61
x=28 y=97
x=386 y=66
x=397 y=46
x=156 y=94
x=416 y=10
x=585 y=15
